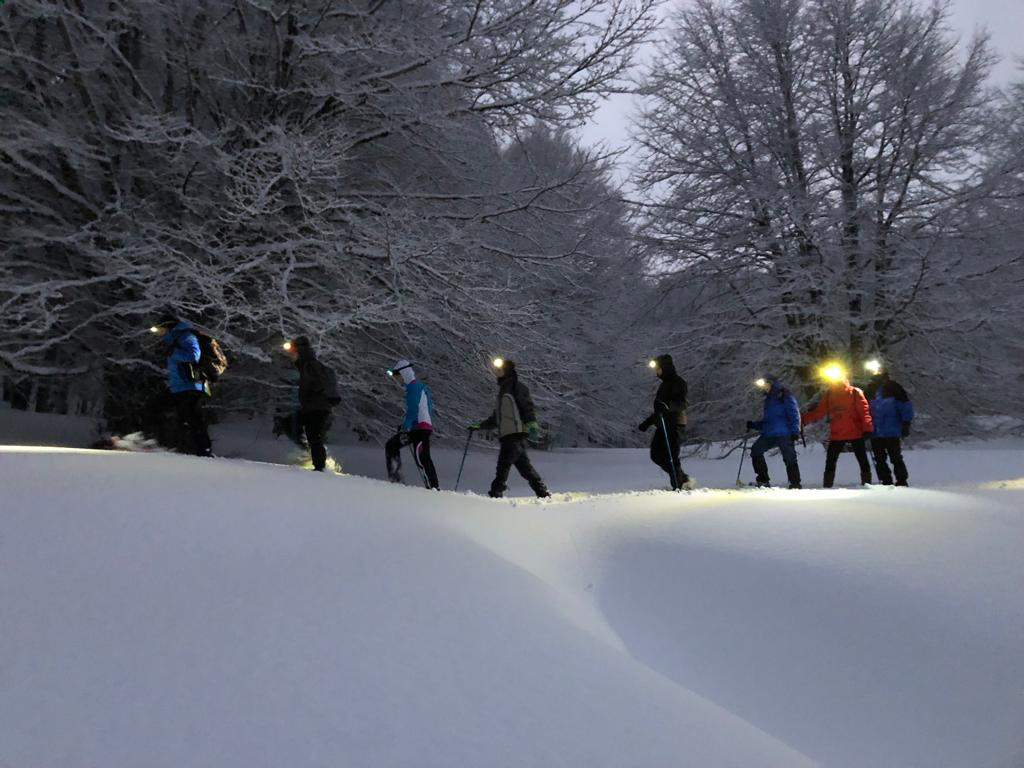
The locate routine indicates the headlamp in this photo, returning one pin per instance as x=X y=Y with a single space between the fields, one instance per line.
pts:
x=155 y=329
x=761 y=384
x=833 y=372
x=652 y=364
x=287 y=346
x=873 y=366
x=498 y=363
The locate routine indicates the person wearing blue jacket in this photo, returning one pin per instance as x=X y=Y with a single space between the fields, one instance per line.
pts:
x=416 y=428
x=891 y=415
x=186 y=386
x=780 y=428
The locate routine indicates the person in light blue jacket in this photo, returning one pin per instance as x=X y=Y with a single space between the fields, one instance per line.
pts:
x=780 y=428
x=185 y=385
x=416 y=429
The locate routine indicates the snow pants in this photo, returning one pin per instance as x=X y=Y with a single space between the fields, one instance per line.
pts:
x=835 y=447
x=892 y=448
x=513 y=453
x=315 y=424
x=193 y=436
x=784 y=443
x=666 y=454
x=419 y=439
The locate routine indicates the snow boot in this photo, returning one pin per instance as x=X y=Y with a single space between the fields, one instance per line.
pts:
x=793 y=474
x=761 y=471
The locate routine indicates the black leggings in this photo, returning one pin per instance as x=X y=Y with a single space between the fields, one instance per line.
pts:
x=835 y=447
x=419 y=439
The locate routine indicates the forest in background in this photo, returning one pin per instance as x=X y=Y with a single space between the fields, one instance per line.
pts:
x=818 y=179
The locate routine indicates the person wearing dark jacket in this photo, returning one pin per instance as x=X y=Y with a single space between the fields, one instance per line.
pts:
x=670 y=419
x=187 y=389
x=514 y=418
x=780 y=428
x=318 y=394
x=891 y=415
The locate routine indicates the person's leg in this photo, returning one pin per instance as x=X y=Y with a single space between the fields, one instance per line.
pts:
x=393 y=458
x=507 y=455
x=878 y=448
x=788 y=450
x=861 y=452
x=421 y=450
x=675 y=443
x=757 y=452
x=315 y=426
x=835 y=447
x=200 y=431
x=526 y=469
x=898 y=465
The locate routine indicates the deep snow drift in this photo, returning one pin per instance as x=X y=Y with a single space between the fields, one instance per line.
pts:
x=162 y=610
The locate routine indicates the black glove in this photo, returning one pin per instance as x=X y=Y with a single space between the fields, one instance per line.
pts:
x=644 y=425
x=905 y=429
x=750 y=425
x=795 y=437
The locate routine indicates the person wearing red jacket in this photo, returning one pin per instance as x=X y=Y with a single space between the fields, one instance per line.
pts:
x=847 y=410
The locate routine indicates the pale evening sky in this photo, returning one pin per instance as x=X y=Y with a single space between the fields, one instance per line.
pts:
x=1004 y=20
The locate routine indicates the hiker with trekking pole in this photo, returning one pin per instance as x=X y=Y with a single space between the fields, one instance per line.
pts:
x=779 y=426
x=416 y=429
x=670 y=419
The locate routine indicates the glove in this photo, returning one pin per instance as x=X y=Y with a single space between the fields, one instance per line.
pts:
x=644 y=425
x=750 y=425
x=905 y=429
x=795 y=437
x=533 y=430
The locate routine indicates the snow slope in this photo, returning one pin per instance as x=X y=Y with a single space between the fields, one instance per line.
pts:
x=162 y=610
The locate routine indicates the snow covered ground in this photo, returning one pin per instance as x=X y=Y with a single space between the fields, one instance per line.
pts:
x=163 y=610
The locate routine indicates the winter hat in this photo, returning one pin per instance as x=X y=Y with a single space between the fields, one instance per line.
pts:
x=302 y=345
x=405 y=368
x=665 y=364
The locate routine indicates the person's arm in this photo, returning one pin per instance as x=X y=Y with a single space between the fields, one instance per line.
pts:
x=525 y=403
x=867 y=426
x=412 y=406
x=792 y=414
x=817 y=413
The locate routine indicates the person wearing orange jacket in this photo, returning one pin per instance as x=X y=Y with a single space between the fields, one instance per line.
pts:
x=847 y=410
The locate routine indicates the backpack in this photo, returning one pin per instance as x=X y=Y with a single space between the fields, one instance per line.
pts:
x=212 y=360
x=331 y=386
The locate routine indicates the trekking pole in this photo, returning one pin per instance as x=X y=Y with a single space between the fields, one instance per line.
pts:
x=743 y=455
x=668 y=450
x=459 y=478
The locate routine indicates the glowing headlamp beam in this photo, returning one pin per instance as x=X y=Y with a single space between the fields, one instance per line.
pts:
x=833 y=372
x=498 y=363
x=652 y=364
x=286 y=346
x=873 y=366
x=154 y=329
x=761 y=384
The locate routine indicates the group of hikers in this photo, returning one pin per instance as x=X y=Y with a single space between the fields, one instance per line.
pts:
x=882 y=413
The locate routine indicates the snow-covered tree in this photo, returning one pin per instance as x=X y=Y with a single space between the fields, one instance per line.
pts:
x=812 y=171
x=274 y=168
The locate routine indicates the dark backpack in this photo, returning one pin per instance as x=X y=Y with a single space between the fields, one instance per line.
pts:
x=212 y=360
x=331 y=386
